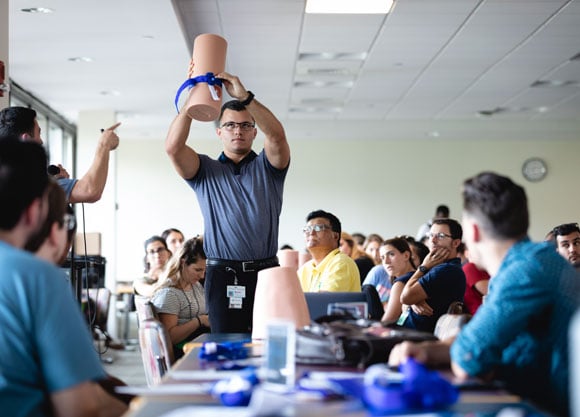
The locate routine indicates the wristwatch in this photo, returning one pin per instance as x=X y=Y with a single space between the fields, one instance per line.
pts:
x=249 y=99
x=423 y=269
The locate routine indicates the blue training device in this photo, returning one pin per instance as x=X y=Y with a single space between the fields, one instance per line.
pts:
x=208 y=78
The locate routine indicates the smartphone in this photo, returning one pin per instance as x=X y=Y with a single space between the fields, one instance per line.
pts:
x=280 y=367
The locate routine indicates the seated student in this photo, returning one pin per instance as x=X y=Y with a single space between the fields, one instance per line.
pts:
x=371 y=247
x=329 y=269
x=156 y=256
x=476 y=288
x=519 y=335
x=52 y=243
x=48 y=365
x=567 y=238
x=349 y=247
x=174 y=239
x=439 y=280
x=398 y=262
x=180 y=300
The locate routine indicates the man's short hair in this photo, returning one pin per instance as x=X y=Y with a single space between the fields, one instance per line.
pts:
x=455 y=229
x=442 y=211
x=565 y=229
x=23 y=179
x=17 y=121
x=235 y=105
x=498 y=203
x=334 y=222
x=57 y=208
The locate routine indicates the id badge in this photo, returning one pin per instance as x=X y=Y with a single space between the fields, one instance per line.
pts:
x=236 y=295
x=403 y=317
x=238 y=291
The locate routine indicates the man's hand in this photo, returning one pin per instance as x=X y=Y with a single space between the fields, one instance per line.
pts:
x=436 y=257
x=233 y=86
x=422 y=309
x=401 y=352
x=62 y=173
x=109 y=138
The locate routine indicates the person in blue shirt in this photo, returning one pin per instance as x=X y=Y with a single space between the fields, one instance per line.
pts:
x=438 y=282
x=519 y=334
x=240 y=197
x=22 y=122
x=48 y=365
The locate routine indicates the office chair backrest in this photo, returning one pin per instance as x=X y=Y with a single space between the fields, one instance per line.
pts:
x=144 y=308
x=318 y=301
x=156 y=350
x=449 y=325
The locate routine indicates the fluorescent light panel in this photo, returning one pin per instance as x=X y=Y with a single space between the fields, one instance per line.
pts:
x=348 y=6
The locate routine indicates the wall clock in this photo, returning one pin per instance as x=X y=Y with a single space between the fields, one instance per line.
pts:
x=534 y=169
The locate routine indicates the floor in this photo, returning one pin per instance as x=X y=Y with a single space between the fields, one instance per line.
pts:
x=126 y=363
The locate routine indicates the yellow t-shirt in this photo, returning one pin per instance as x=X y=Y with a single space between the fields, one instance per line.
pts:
x=337 y=272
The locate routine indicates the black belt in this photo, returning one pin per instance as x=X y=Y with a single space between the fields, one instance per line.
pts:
x=245 y=266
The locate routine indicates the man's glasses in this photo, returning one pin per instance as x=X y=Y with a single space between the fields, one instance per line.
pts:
x=69 y=221
x=316 y=228
x=439 y=235
x=565 y=229
x=244 y=126
x=154 y=251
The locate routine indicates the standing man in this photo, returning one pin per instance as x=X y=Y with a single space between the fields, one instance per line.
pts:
x=568 y=242
x=22 y=122
x=240 y=195
x=329 y=269
x=48 y=364
x=439 y=280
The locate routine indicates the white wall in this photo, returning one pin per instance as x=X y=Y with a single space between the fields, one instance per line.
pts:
x=372 y=186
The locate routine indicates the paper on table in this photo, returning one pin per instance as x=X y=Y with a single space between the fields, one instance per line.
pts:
x=166 y=389
x=216 y=411
x=202 y=375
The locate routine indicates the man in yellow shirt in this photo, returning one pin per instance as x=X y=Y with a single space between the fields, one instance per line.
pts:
x=329 y=269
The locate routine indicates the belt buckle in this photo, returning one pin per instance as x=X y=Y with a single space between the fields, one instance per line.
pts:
x=249 y=268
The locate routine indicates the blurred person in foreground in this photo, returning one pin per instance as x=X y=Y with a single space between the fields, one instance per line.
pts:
x=519 y=335
x=48 y=366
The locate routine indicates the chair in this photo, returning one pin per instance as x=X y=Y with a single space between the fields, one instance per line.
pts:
x=144 y=308
x=156 y=350
x=318 y=301
x=449 y=324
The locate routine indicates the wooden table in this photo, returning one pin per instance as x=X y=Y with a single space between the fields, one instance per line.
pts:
x=474 y=400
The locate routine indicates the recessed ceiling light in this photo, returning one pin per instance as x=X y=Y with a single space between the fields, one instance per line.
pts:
x=80 y=59
x=555 y=83
x=332 y=56
x=313 y=109
x=324 y=84
x=113 y=93
x=349 y=6
x=37 y=10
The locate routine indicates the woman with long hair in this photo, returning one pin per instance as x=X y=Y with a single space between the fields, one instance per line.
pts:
x=179 y=297
x=397 y=259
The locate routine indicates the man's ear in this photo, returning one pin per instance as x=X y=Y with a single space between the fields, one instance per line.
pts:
x=52 y=236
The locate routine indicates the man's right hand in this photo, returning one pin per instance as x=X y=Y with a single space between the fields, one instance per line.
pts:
x=109 y=138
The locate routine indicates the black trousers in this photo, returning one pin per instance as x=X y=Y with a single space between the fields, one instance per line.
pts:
x=222 y=318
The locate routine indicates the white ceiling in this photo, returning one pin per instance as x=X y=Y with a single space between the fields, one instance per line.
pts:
x=431 y=65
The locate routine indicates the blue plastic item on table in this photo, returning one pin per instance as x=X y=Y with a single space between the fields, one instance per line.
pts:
x=420 y=389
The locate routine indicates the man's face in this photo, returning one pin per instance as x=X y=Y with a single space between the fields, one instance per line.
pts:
x=439 y=237
x=237 y=139
x=325 y=238
x=569 y=247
